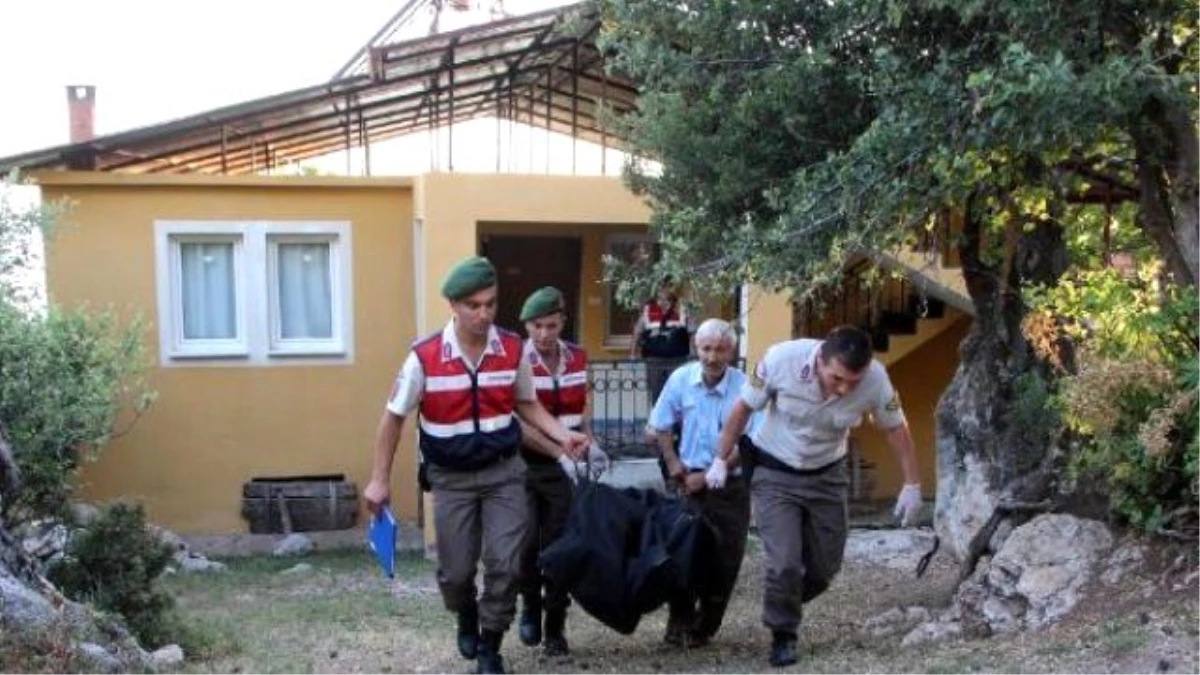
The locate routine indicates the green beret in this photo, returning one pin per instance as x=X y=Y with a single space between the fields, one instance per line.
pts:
x=469 y=276
x=542 y=302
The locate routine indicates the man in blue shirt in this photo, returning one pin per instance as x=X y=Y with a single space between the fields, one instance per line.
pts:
x=699 y=395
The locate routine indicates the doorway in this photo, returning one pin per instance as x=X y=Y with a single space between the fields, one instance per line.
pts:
x=525 y=264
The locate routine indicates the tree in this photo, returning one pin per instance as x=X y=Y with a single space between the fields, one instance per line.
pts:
x=793 y=136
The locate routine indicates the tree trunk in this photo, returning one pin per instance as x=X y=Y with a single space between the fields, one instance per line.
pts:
x=10 y=474
x=1167 y=166
x=989 y=448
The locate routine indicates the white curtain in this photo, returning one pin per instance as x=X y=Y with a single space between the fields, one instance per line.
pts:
x=208 y=293
x=305 y=291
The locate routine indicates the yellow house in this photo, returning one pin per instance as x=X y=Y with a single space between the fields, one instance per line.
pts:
x=279 y=308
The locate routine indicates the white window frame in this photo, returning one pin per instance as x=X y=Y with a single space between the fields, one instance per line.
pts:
x=311 y=234
x=170 y=301
x=256 y=293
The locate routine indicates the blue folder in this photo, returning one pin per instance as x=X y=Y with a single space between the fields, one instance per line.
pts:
x=381 y=536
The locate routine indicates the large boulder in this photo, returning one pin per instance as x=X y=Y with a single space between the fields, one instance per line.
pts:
x=31 y=611
x=1035 y=579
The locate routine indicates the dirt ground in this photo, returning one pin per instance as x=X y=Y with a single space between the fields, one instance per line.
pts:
x=339 y=615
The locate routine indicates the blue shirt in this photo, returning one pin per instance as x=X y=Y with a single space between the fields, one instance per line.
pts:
x=701 y=409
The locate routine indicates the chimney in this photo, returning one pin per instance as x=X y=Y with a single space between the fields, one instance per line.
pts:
x=81 y=104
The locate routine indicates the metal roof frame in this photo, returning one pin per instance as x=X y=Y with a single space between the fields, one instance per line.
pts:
x=542 y=69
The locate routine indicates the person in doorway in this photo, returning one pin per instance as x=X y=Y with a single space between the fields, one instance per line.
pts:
x=466 y=382
x=662 y=336
x=813 y=392
x=560 y=379
x=700 y=395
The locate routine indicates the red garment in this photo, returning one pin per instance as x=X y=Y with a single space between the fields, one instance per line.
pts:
x=466 y=416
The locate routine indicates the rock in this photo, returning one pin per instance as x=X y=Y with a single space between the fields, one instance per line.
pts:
x=964 y=500
x=169 y=538
x=167 y=657
x=45 y=541
x=294 y=544
x=1125 y=559
x=83 y=514
x=301 y=568
x=885 y=623
x=916 y=613
x=932 y=631
x=23 y=608
x=894 y=619
x=97 y=659
x=1047 y=561
x=1036 y=576
x=897 y=549
x=192 y=562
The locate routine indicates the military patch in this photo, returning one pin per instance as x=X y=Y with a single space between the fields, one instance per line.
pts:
x=445 y=351
x=894 y=404
x=805 y=372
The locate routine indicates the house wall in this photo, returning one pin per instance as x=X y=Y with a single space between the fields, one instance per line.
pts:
x=215 y=426
x=455 y=208
x=920 y=378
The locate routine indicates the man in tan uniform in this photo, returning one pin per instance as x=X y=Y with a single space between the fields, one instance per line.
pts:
x=813 y=392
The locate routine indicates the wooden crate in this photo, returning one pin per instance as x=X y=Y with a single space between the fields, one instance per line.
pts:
x=299 y=504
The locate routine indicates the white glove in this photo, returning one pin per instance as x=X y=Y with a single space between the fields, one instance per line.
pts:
x=597 y=458
x=716 y=474
x=908 y=504
x=568 y=467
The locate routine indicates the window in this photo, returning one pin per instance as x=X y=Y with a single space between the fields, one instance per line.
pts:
x=632 y=249
x=253 y=291
x=205 y=285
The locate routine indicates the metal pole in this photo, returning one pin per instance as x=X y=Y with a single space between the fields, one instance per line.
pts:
x=224 y=150
x=364 y=139
x=603 y=135
x=574 y=104
x=549 y=96
x=450 y=120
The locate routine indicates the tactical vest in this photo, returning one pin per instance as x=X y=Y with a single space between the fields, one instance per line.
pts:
x=466 y=417
x=664 y=332
x=565 y=397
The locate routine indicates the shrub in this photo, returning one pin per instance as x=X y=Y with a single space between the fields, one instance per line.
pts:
x=64 y=375
x=1132 y=400
x=113 y=564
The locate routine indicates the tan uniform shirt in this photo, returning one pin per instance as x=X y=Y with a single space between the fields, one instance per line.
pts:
x=801 y=427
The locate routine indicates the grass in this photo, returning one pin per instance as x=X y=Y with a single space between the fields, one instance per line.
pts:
x=343 y=616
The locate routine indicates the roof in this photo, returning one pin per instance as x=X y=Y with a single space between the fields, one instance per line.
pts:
x=542 y=69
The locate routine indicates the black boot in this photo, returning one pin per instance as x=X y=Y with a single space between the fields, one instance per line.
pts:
x=468 y=631
x=783 y=648
x=489 y=652
x=556 y=640
x=529 y=626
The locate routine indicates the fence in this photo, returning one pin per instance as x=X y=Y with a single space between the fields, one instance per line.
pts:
x=621 y=403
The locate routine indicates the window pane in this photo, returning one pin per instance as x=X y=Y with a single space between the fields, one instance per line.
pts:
x=305 y=291
x=207 y=291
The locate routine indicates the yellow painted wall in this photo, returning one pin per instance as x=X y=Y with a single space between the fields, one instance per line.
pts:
x=921 y=378
x=455 y=208
x=215 y=427
x=768 y=320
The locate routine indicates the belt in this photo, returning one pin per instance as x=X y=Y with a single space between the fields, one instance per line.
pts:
x=766 y=459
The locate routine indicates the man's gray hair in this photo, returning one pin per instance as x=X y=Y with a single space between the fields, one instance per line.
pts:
x=717 y=328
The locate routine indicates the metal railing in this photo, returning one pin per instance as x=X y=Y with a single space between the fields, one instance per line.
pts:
x=622 y=394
